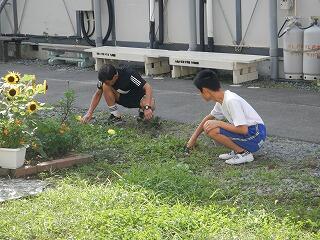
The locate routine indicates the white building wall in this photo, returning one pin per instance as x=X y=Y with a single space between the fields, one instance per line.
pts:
x=221 y=32
x=132 y=20
x=50 y=17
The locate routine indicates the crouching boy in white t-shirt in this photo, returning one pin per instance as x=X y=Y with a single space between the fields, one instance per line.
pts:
x=244 y=133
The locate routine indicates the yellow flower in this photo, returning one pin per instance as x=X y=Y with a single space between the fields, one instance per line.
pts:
x=42 y=88
x=111 y=132
x=64 y=128
x=78 y=118
x=12 y=78
x=32 y=106
x=45 y=86
x=17 y=75
x=34 y=145
x=13 y=92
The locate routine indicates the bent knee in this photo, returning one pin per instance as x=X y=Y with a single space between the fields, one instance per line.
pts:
x=213 y=132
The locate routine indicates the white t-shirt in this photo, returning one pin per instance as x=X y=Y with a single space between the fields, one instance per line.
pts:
x=236 y=110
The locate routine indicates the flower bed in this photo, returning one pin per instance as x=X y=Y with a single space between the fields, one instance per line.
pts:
x=24 y=129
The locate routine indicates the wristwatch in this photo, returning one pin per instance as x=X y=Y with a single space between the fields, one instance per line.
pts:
x=146 y=107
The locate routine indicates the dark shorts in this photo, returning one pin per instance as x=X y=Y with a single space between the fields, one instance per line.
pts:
x=131 y=99
x=252 y=141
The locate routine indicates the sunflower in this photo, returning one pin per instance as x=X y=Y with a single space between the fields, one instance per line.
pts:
x=13 y=92
x=12 y=78
x=32 y=106
x=42 y=88
x=45 y=87
x=17 y=75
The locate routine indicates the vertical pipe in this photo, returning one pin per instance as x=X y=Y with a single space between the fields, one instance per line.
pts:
x=161 y=22
x=201 y=23
x=238 y=22
x=78 y=19
x=15 y=16
x=210 y=25
x=152 y=31
x=113 y=33
x=192 y=25
x=98 y=26
x=273 y=13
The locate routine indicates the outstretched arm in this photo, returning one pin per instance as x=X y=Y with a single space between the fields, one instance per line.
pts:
x=94 y=103
x=192 y=141
x=148 y=101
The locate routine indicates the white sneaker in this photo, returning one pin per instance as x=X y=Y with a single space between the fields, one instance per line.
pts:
x=227 y=156
x=240 y=158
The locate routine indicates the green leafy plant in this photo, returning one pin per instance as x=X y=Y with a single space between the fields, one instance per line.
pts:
x=58 y=135
x=65 y=106
x=56 y=139
x=18 y=108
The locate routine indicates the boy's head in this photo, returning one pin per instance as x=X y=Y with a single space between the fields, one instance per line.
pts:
x=207 y=82
x=108 y=74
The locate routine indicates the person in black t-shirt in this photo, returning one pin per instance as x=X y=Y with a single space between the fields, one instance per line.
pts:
x=124 y=87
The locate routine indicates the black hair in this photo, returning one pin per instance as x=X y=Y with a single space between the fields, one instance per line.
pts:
x=207 y=79
x=106 y=72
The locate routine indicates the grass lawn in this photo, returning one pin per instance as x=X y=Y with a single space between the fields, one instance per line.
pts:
x=142 y=186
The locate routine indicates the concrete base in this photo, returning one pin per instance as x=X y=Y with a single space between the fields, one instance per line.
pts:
x=294 y=76
x=180 y=71
x=311 y=77
x=244 y=73
x=156 y=66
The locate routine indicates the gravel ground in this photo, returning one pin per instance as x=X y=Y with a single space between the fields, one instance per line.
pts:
x=70 y=67
x=289 y=149
x=267 y=83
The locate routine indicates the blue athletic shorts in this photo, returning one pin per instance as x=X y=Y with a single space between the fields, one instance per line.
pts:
x=252 y=141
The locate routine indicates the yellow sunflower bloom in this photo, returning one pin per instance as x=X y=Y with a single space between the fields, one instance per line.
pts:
x=13 y=92
x=32 y=107
x=42 y=88
x=11 y=78
x=45 y=86
x=18 y=76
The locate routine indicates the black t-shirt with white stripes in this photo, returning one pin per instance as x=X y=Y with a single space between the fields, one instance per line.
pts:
x=128 y=80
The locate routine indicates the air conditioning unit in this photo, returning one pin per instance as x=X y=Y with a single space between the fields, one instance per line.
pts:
x=81 y=5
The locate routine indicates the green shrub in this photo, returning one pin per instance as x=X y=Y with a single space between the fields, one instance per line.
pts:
x=55 y=139
x=57 y=136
